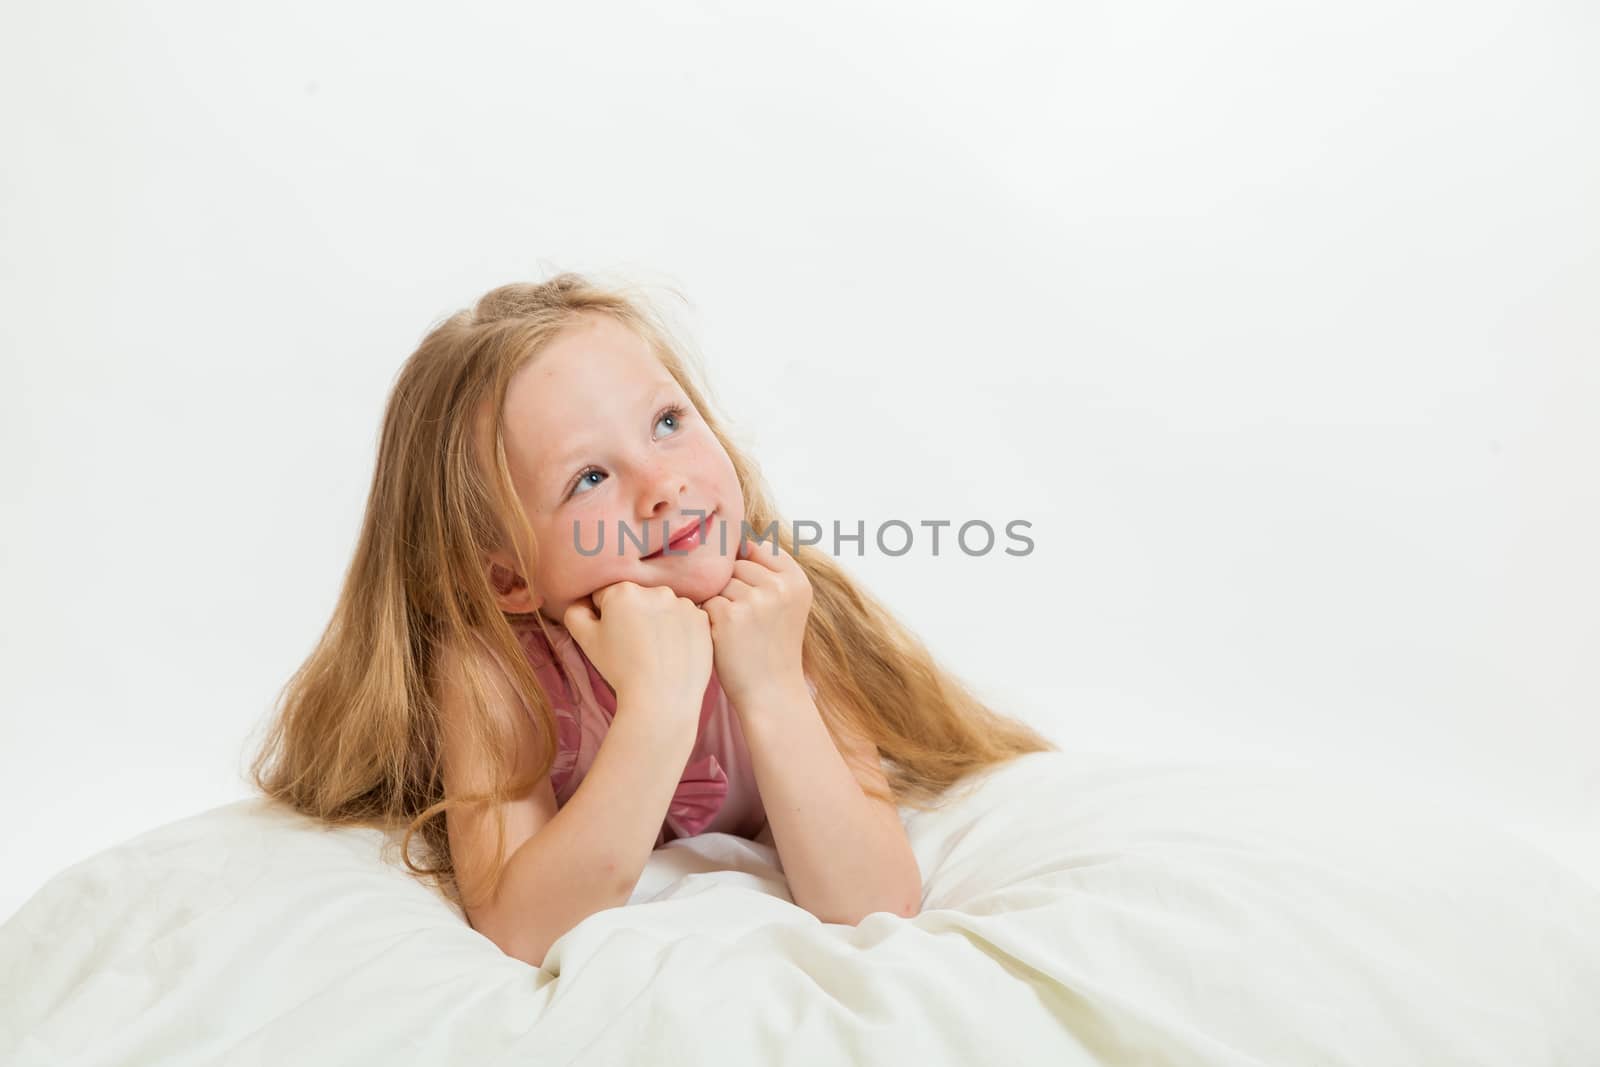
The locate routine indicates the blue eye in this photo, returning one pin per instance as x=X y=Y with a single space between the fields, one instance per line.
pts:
x=675 y=412
x=579 y=484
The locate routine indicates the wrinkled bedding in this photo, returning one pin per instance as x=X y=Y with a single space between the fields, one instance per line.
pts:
x=1078 y=909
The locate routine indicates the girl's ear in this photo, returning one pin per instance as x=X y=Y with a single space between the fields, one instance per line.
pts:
x=510 y=588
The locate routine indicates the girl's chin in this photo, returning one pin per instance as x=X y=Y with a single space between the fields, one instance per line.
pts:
x=698 y=584
x=704 y=583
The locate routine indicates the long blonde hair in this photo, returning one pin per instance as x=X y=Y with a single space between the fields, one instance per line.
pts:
x=357 y=737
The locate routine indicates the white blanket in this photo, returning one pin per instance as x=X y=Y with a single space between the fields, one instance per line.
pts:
x=1079 y=909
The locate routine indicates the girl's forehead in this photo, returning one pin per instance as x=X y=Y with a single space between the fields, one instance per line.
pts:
x=591 y=363
x=567 y=400
x=567 y=392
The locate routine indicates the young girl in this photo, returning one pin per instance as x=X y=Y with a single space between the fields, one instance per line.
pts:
x=575 y=628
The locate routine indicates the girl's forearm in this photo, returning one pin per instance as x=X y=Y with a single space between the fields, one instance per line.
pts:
x=589 y=856
x=845 y=854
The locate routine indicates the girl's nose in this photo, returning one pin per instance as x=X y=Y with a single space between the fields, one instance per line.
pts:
x=663 y=493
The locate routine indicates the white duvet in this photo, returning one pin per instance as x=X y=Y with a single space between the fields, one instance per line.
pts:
x=1078 y=909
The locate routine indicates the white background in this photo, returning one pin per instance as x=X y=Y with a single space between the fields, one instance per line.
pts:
x=1278 y=323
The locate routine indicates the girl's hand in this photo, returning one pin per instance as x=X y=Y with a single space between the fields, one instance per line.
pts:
x=651 y=645
x=758 y=625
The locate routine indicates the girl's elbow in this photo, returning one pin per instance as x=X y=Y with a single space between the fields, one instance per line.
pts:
x=913 y=893
x=907 y=905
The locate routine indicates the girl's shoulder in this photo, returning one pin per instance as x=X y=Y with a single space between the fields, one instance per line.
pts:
x=565 y=673
x=538 y=651
x=545 y=657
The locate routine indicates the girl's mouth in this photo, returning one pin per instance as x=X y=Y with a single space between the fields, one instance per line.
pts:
x=686 y=541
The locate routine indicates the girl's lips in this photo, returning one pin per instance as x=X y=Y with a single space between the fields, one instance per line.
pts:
x=686 y=541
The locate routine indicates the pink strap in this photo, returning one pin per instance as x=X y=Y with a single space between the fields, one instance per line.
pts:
x=563 y=702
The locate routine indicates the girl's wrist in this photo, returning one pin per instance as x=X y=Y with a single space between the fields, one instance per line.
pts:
x=668 y=724
x=771 y=692
x=661 y=702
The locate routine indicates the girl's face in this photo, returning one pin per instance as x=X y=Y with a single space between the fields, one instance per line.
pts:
x=599 y=437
